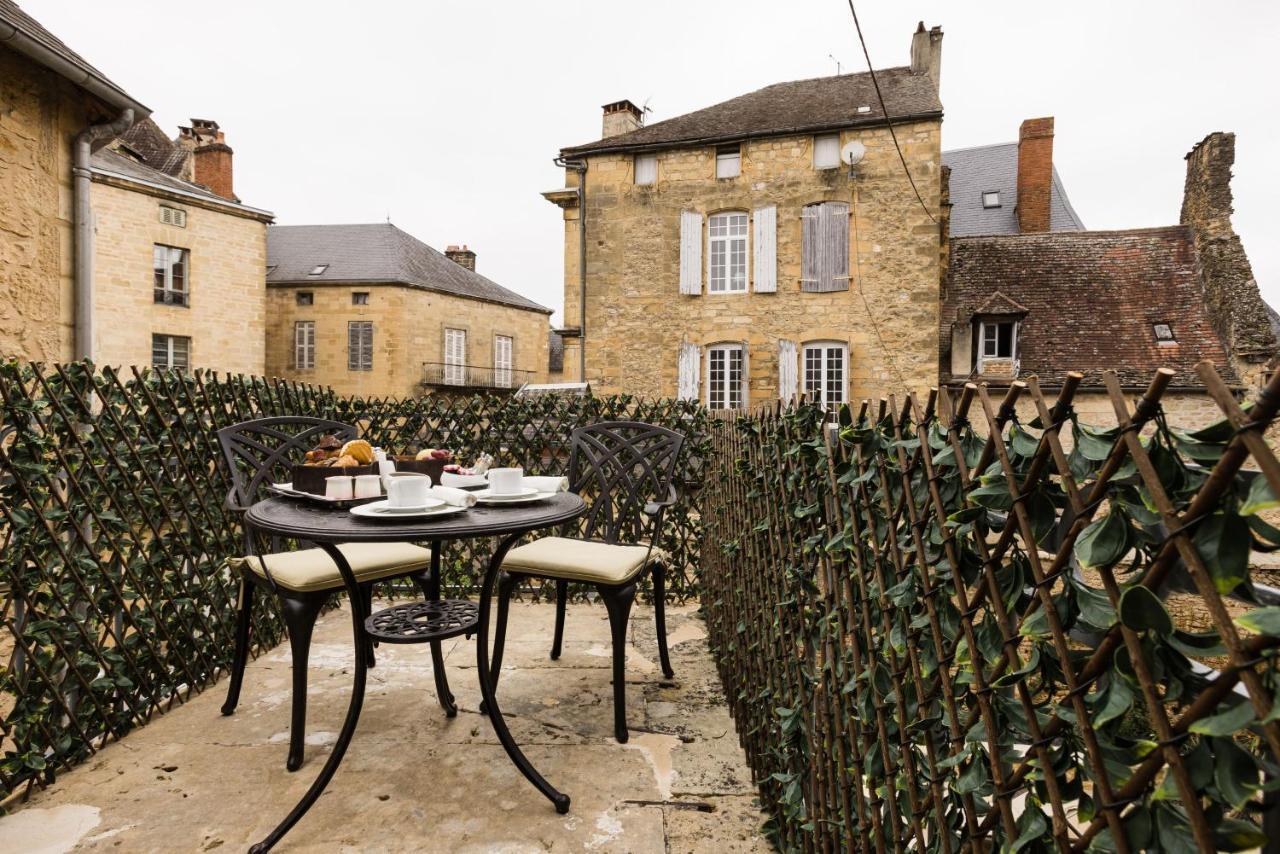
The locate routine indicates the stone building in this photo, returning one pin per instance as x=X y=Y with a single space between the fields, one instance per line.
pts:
x=730 y=255
x=371 y=310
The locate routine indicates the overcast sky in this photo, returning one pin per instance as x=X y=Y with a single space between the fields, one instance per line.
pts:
x=446 y=116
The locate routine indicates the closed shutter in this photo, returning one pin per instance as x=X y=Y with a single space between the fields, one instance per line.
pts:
x=766 y=260
x=825 y=247
x=689 y=370
x=746 y=377
x=690 y=253
x=837 y=243
x=787 y=371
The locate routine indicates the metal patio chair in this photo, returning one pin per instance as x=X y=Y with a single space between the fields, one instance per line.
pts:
x=262 y=452
x=625 y=471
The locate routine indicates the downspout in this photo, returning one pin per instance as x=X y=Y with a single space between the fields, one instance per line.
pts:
x=82 y=224
x=580 y=166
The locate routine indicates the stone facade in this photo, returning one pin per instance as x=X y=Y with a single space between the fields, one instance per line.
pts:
x=408 y=331
x=225 y=317
x=637 y=319
x=40 y=114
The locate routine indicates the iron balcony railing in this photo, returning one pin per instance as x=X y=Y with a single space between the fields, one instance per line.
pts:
x=448 y=375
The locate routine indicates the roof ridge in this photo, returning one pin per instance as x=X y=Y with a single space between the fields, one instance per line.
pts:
x=1111 y=232
x=947 y=151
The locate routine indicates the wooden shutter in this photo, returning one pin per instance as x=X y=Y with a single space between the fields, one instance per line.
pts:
x=690 y=253
x=836 y=240
x=690 y=366
x=810 y=248
x=825 y=247
x=746 y=377
x=766 y=256
x=787 y=370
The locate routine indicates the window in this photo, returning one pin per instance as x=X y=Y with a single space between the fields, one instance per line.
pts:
x=170 y=266
x=646 y=169
x=306 y=298
x=502 y=361
x=724 y=376
x=171 y=351
x=1164 y=333
x=824 y=372
x=825 y=247
x=271 y=268
x=991 y=199
x=728 y=161
x=360 y=345
x=997 y=341
x=318 y=269
x=455 y=356
x=826 y=151
x=727 y=253
x=304 y=344
x=173 y=216
x=359 y=297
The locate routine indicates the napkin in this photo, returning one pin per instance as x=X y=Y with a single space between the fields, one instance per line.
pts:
x=548 y=484
x=461 y=481
x=456 y=497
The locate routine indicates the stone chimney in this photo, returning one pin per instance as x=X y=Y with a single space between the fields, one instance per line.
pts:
x=462 y=256
x=1035 y=174
x=210 y=156
x=621 y=117
x=1235 y=304
x=926 y=52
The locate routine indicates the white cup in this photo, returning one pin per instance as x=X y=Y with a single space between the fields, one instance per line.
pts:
x=338 y=487
x=368 y=486
x=406 y=489
x=505 y=481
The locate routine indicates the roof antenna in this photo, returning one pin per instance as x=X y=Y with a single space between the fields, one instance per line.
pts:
x=832 y=57
x=388 y=217
x=644 y=110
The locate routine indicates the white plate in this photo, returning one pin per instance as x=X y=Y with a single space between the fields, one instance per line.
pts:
x=372 y=511
x=490 y=495
x=524 y=498
x=287 y=489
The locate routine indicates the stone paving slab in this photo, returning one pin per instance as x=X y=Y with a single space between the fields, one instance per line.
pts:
x=414 y=780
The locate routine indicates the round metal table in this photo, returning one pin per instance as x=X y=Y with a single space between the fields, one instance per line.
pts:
x=418 y=622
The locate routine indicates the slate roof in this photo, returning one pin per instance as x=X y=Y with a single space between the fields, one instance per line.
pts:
x=995 y=167
x=375 y=252
x=116 y=163
x=1091 y=298
x=801 y=106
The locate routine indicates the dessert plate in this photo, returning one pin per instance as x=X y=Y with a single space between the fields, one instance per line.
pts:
x=524 y=496
x=380 y=510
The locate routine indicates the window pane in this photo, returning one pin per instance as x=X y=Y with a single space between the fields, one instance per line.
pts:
x=1005 y=347
x=826 y=151
x=734 y=380
x=835 y=376
x=728 y=164
x=646 y=169
x=304 y=344
x=160 y=351
x=160 y=263
x=180 y=348
x=727 y=264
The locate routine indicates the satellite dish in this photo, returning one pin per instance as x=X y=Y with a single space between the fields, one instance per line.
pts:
x=853 y=152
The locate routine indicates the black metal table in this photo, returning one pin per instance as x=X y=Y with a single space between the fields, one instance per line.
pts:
x=417 y=622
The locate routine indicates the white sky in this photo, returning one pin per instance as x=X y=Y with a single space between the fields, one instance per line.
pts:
x=446 y=116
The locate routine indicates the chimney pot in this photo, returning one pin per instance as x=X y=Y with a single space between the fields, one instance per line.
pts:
x=926 y=52
x=621 y=117
x=211 y=156
x=462 y=256
x=1035 y=174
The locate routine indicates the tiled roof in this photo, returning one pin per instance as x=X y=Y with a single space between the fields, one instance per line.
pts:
x=975 y=171
x=376 y=252
x=801 y=106
x=1091 y=298
x=115 y=163
x=156 y=149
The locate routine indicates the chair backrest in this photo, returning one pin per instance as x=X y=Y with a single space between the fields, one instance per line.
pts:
x=264 y=451
x=619 y=467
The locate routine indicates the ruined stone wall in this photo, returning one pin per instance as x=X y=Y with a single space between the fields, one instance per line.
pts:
x=637 y=319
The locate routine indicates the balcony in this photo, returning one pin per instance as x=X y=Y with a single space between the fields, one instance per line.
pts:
x=472 y=377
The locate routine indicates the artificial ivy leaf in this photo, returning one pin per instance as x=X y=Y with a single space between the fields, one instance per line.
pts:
x=1094 y=444
x=972 y=778
x=1235 y=772
x=1095 y=607
x=1118 y=698
x=1232 y=834
x=1031 y=826
x=1225 y=723
x=1262 y=620
x=1142 y=610
x=1223 y=543
x=1259 y=497
x=1105 y=541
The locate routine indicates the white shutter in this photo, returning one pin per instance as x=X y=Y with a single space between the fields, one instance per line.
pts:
x=689 y=370
x=787 y=371
x=746 y=377
x=690 y=253
x=766 y=260
x=837 y=242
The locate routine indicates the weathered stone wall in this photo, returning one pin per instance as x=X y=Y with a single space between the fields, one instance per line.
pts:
x=637 y=319
x=226 y=282
x=408 y=330
x=40 y=114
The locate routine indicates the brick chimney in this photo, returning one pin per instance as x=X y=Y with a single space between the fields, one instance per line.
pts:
x=1035 y=174
x=462 y=256
x=621 y=117
x=210 y=156
x=926 y=52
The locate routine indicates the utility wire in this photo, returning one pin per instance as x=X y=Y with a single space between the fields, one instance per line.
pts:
x=875 y=327
x=885 y=110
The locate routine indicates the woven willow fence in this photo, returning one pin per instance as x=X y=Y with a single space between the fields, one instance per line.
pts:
x=114 y=597
x=935 y=640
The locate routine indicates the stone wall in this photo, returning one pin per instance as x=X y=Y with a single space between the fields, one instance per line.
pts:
x=226 y=281
x=408 y=330
x=637 y=319
x=40 y=114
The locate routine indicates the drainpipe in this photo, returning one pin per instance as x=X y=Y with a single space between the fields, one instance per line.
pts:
x=580 y=166
x=82 y=223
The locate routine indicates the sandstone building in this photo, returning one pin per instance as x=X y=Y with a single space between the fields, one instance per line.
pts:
x=729 y=254
x=371 y=310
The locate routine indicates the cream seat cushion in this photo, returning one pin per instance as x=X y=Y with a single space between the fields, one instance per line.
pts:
x=579 y=560
x=310 y=570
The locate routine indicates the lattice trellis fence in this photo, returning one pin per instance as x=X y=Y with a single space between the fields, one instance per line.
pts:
x=113 y=592
x=943 y=639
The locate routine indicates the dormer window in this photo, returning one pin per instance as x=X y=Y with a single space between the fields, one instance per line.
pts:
x=318 y=269
x=990 y=199
x=998 y=346
x=1164 y=333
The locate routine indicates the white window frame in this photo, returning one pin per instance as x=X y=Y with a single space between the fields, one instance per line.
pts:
x=171 y=350
x=734 y=240
x=646 y=170
x=724 y=388
x=455 y=356
x=729 y=163
x=826 y=151
x=994 y=325
x=503 y=350
x=360 y=356
x=304 y=345
x=817 y=364
x=166 y=292
x=995 y=197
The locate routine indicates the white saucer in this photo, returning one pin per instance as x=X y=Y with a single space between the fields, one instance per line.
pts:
x=488 y=494
x=523 y=497
x=380 y=510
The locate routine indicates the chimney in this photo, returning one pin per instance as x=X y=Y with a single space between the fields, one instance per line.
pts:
x=1035 y=174
x=926 y=52
x=462 y=256
x=621 y=117
x=210 y=156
